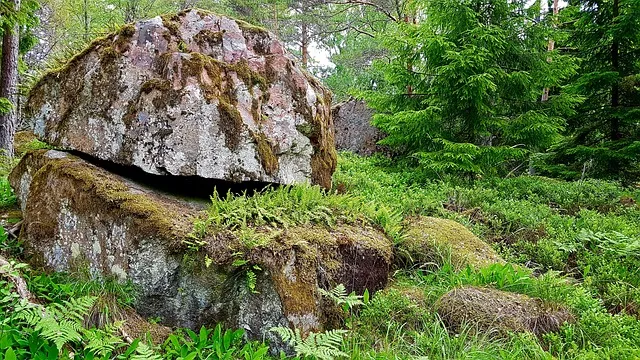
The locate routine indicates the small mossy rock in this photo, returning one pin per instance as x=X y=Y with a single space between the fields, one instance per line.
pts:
x=22 y=141
x=430 y=240
x=497 y=312
x=190 y=94
x=78 y=216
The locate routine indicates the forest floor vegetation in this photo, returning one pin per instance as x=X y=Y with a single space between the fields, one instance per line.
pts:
x=574 y=244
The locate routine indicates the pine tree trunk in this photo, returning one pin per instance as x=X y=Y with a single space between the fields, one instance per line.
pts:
x=85 y=35
x=550 y=47
x=615 y=89
x=304 y=45
x=9 y=83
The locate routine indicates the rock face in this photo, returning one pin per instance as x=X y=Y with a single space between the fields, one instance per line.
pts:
x=498 y=312
x=434 y=240
x=194 y=94
x=77 y=215
x=354 y=131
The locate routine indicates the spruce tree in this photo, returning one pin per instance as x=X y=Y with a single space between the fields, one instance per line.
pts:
x=605 y=133
x=466 y=84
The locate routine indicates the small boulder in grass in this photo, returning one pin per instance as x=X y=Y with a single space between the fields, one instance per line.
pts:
x=499 y=312
x=430 y=240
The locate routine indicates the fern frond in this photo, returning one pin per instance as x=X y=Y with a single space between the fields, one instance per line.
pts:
x=144 y=352
x=323 y=346
x=60 y=323
x=287 y=335
x=103 y=342
x=339 y=296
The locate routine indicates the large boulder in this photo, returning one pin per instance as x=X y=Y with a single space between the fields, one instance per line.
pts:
x=79 y=216
x=193 y=94
x=354 y=131
x=496 y=312
x=429 y=240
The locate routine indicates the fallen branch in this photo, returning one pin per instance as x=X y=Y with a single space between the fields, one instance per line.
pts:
x=15 y=229
x=17 y=280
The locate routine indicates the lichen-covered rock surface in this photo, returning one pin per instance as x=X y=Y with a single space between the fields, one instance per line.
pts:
x=354 y=132
x=79 y=216
x=430 y=240
x=496 y=312
x=192 y=94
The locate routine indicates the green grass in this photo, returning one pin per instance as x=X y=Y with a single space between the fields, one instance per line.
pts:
x=582 y=236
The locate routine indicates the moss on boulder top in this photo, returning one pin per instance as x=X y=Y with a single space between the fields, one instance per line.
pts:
x=190 y=94
x=77 y=215
x=496 y=312
x=430 y=240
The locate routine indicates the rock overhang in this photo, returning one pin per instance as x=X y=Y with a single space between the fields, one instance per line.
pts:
x=192 y=94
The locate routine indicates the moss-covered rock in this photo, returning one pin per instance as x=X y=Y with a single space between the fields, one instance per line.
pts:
x=24 y=141
x=431 y=240
x=77 y=215
x=190 y=94
x=496 y=312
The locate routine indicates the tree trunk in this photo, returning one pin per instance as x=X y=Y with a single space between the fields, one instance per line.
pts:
x=550 y=47
x=409 y=64
x=615 y=89
x=545 y=91
x=85 y=35
x=9 y=83
x=304 y=44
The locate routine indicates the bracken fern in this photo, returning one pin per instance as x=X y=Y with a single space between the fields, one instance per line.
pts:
x=323 y=346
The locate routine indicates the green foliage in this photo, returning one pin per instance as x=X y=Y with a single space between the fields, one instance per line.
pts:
x=60 y=323
x=60 y=328
x=465 y=83
x=353 y=51
x=586 y=230
x=290 y=206
x=604 y=139
x=249 y=271
x=5 y=105
x=142 y=352
x=321 y=346
x=340 y=297
x=7 y=197
x=212 y=344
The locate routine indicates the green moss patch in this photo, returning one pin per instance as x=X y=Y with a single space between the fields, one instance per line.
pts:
x=231 y=124
x=157 y=215
x=429 y=240
x=266 y=153
x=208 y=37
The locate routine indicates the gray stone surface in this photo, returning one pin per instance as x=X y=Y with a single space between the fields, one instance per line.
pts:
x=194 y=94
x=354 y=132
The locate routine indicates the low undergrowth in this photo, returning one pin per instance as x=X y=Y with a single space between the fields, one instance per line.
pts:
x=589 y=230
x=574 y=244
x=289 y=206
